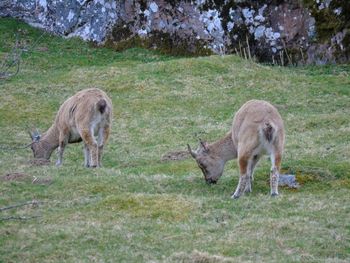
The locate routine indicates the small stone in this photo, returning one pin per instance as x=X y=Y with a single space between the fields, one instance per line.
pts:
x=288 y=180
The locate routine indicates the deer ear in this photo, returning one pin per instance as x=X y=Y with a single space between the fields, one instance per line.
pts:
x=37 y=138
x=35 y=135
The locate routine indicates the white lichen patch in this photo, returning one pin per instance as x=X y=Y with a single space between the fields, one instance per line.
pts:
x=153 y=7
x=211 y=21
x=70 y=15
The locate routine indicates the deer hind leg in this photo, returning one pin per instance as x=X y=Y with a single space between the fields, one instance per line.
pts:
x=250 y=171
x=103 y=135
x=274 y=173
x=243 y=178
x=92 y=147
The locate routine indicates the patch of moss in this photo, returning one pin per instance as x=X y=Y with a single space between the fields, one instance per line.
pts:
x=341 y=183
x=305 y=178
x=120 y=32
x=163 y=42
x=328 y=22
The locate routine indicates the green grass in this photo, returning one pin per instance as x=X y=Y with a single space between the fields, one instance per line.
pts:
x=139 y=209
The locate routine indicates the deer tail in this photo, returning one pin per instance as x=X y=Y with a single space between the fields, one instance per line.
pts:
x=101 y=105
x=268 y=131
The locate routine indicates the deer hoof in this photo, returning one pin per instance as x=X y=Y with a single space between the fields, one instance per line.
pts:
x=274 y=194
x=234 y=196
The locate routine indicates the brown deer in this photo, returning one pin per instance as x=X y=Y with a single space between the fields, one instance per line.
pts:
x=257 y=129
x=80 y=118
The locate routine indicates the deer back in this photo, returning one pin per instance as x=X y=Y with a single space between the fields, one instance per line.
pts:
x=82 y=109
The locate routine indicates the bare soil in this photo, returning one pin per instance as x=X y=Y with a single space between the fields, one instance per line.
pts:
x=15 y=177
x=175 y=156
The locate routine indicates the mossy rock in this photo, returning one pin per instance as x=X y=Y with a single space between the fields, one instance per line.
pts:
x=163 y=42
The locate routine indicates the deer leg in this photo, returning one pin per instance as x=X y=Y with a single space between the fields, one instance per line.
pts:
x=248 y=185
x=244 y=177
x=61 y=145
x=103 y=135
x=86 y=155
x=92 y=146
x=60 y=151
x=250 y=171
x=274 y=174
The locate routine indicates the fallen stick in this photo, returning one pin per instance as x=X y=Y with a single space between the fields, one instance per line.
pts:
x=18 y=218
x=19 y=205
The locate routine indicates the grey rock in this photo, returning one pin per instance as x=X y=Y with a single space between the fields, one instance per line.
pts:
x=288 y=180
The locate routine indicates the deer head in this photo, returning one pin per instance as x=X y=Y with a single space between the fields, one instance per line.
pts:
x=38 y=146
x=210 y=163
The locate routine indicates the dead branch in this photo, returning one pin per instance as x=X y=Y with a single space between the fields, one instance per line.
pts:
x=286 y=51
x=18 y=218
x=34 y=202
x=248 y=47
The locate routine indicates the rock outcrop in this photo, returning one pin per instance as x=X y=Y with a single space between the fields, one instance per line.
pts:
x=309 y=31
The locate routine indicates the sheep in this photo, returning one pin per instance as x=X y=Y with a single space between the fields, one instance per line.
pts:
x=257 y=129
x=80 y=118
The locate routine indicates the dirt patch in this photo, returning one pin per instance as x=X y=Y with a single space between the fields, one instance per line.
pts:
x=15 y=177
x=175 y=156
x=21 y=177
x=39 y=162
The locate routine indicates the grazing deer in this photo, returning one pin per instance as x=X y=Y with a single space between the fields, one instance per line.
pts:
x=257 y=129
x=80 y=118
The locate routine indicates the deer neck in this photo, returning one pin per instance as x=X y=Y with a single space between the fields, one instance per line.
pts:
x=224 y=148
x=49 y=140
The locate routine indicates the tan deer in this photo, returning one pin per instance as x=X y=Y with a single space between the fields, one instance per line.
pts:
x=80 y=118
x=257 y=129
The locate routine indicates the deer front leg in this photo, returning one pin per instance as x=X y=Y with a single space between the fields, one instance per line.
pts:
x=243 y=179
x=61 y=145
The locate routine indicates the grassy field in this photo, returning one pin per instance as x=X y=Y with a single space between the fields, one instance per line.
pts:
x=137 y=208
